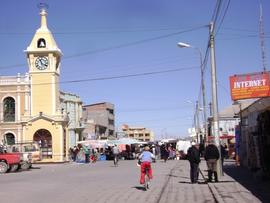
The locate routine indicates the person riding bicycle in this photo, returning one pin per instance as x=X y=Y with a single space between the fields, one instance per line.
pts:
x=115 y=152
x=146 y=158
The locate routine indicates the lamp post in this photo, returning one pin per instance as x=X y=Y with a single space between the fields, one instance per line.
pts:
x=184 y=45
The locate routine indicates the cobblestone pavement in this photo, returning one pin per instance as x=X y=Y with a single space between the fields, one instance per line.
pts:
x=102 y=182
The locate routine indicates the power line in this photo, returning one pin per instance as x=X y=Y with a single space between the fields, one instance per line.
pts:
x=132 y=43
x=121 y=76
x=154 y=109
x=214 y=20
x=216 y=12
x=97 y=31
x=242 y=37
x=158 y=119
x=115 y=47
x=223 y=17
x=239 y=29
x=156 y=62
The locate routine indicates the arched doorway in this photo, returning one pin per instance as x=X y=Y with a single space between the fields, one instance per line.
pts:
x=10 y=139
x=44 y=138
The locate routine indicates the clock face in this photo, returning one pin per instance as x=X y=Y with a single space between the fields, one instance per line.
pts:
x=41 y=62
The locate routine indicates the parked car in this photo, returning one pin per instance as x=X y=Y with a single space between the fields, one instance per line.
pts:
x=31 y=153
x=9 y=161
x=26 y=158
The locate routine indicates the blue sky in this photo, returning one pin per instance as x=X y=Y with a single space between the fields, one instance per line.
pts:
x=104 y=39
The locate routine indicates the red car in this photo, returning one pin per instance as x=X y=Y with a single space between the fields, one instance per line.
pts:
x=9 y=161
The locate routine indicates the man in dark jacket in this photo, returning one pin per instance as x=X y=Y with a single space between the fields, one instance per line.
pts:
x=193 y=155
x=211 y=156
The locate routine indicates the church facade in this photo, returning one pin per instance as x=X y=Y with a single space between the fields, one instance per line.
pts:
x=32 y=105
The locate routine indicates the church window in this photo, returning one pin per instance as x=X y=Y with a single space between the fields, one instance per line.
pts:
x=10 y=139
x=41 y=43
x=9 y=109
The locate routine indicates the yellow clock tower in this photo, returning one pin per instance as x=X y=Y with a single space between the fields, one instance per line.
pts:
x=45 y=122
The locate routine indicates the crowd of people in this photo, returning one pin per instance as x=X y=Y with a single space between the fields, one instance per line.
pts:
x=87 y=154
x=147 y=153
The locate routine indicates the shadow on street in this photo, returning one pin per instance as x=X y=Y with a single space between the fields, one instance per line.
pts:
x=260 y=188
x=35 y=167
x=139 y=188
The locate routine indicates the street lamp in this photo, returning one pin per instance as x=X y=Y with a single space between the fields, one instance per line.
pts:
x=185 y=45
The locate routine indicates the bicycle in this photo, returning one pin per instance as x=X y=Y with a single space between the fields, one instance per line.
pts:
x=146 y=178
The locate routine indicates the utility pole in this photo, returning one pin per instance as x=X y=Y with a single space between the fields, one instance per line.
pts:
x=204 y=102
x=215 y=124
x=198 y=121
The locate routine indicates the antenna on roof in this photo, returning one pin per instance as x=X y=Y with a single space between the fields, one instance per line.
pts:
x=262 y=38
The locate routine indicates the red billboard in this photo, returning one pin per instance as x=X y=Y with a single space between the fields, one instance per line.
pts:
x=253 y=85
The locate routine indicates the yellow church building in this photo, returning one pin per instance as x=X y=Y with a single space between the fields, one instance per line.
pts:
x=30 y=104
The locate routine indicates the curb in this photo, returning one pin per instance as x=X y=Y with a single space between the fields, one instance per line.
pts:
x=213 y=189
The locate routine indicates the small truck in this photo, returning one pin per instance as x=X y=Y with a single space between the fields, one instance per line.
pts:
x=9 y=161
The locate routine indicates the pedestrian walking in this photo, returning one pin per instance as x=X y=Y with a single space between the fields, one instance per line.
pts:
x=193 y=156
x=75 y=153
x=154 y=150
x=211 y=156
x=224 y=153
x=115 y=151
x=86 y=151
x=164 y=153
x=70 y=154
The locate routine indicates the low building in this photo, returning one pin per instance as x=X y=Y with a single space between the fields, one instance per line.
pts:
x=71 y=104
x=254 y=137
x=99 y=121
x=138 y=133
x=15 y=97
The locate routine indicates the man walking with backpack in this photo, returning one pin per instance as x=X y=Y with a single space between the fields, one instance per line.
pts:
x=193 y=155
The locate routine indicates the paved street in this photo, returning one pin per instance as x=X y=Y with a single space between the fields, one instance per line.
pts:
x=102 y=182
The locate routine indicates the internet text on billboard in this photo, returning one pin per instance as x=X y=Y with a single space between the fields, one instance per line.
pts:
x=254 y=85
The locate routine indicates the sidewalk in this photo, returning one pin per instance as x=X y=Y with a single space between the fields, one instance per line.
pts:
x=237 y=185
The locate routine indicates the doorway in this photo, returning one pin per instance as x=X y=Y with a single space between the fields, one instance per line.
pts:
x=44 y=138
